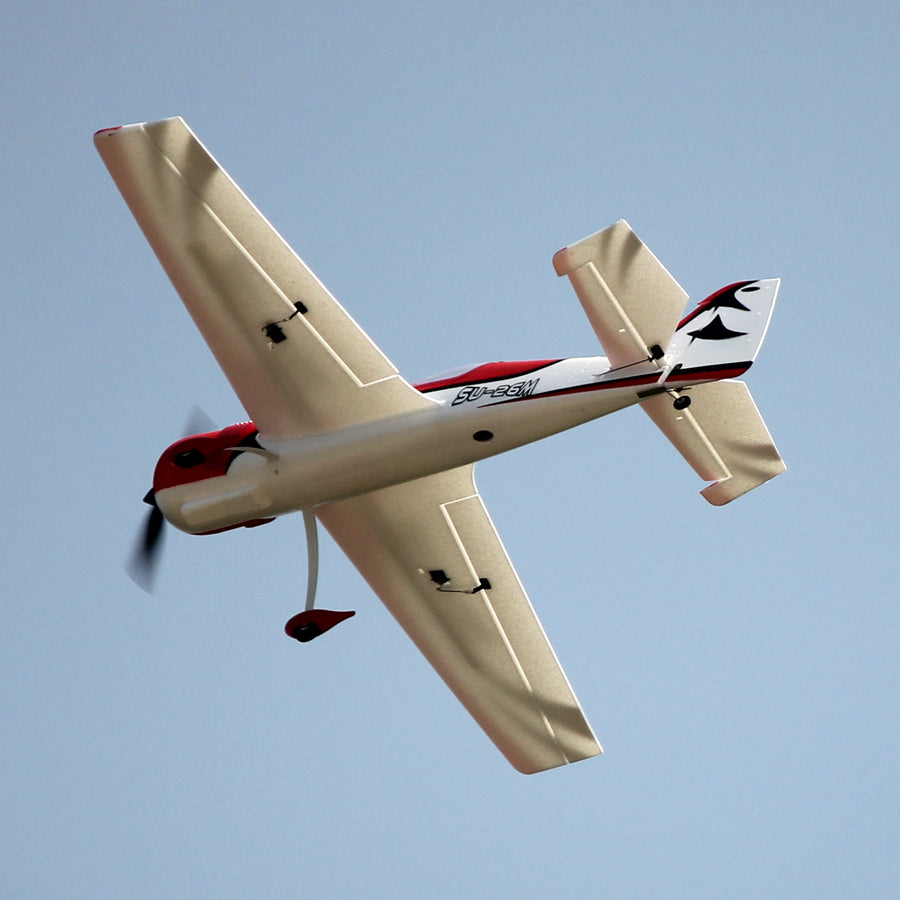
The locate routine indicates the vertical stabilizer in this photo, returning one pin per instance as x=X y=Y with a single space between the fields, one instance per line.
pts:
x=724 y=333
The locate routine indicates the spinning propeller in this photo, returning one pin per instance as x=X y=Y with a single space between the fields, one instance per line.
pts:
x=145 y=557
x=147 y=551
x=148 y=546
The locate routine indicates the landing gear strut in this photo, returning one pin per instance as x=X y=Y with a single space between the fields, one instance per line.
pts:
x=312 y=622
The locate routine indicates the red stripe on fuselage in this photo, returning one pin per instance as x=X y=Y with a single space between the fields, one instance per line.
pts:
x=711 y=373
x=707 y=373
x=495 y=371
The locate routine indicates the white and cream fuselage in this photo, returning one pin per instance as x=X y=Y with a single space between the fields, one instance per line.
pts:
x=469 y=420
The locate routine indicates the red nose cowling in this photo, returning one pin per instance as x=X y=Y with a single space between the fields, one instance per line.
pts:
x=203 y=456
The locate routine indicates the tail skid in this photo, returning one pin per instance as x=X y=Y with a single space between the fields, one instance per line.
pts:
x=632 y=302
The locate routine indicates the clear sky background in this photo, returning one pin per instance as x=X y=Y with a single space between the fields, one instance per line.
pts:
x=740 y=665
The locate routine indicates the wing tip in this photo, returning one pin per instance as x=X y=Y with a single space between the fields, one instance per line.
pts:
x=117 y=130
x=105 y=134
x=105 y=131
x=560 y=262
x=536 y=766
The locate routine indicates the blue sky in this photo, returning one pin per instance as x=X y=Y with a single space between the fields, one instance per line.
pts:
x=738 y=664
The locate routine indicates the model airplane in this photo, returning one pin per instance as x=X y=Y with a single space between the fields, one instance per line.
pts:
x=387 y=467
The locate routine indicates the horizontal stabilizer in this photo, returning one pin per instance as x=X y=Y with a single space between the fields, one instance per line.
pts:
x=722 y=436
x=631 y=300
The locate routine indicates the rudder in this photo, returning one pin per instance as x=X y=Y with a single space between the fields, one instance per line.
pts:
x=722 y=336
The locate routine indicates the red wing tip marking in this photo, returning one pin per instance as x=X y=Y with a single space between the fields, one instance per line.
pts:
x=109 y=132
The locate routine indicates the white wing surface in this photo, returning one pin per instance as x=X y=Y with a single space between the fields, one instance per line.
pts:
x=300 y=365
x=488 y=645
x=297 y=361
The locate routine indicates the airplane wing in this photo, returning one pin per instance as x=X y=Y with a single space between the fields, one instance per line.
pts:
x=429 y=550
x=300 y=364
x=297 y=361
